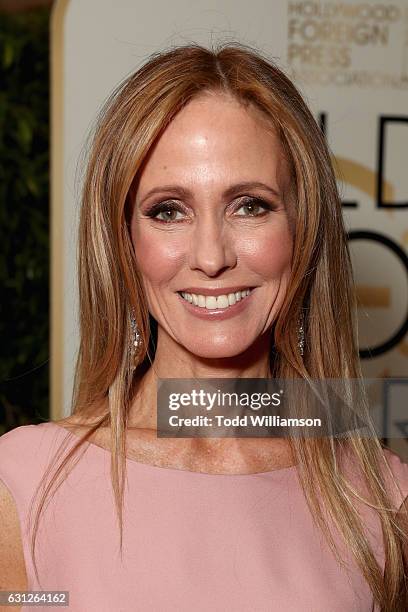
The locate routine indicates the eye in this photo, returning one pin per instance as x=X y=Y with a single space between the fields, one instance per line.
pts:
x=255 y=207
x=165 y=212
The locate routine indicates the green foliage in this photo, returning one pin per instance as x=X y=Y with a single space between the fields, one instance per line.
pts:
x=24 y=218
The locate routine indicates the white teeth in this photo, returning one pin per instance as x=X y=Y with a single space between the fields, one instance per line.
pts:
x=222 y=301
x=231 y=299
x=212 y=302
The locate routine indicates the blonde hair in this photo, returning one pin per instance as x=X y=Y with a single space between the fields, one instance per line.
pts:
x=321 y=286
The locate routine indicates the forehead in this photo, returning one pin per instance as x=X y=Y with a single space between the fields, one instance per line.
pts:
x=215 y=137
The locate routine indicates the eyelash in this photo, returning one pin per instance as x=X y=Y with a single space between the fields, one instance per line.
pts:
x=172 y=206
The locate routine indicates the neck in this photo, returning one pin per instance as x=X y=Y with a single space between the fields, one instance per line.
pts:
x=173 y=361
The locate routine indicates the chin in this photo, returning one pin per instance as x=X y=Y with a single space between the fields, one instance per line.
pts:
x=212 y=349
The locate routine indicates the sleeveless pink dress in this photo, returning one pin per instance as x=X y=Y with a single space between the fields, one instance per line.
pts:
x=192 y=541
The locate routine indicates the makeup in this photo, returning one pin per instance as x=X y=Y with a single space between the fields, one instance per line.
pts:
x=209 y=223
x=216 y=314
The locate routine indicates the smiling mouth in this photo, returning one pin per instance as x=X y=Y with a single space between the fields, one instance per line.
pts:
x=212 y=302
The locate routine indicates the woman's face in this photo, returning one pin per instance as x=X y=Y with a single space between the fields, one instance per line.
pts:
x=210 y=222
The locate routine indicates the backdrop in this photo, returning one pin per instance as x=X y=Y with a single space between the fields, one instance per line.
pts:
x=349 y=59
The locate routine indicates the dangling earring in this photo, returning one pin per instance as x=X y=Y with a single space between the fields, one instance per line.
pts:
x=136 y=340
x=301 y=334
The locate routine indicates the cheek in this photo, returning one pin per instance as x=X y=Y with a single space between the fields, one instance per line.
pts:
x=159 y=257
x=269 y=253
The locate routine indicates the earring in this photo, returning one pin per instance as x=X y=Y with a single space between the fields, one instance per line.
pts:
x=301 y=334
x=136 y=339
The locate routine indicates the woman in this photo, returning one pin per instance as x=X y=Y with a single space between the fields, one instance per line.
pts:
x=211 y=245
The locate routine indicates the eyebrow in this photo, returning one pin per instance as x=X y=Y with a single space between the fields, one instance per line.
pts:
x=177 y=190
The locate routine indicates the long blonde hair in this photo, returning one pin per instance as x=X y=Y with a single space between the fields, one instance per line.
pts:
x=321 y=286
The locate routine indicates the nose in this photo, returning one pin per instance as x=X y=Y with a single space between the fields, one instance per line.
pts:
x=212 y=248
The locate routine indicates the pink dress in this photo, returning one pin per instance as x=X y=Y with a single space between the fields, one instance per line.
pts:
x=192 y=541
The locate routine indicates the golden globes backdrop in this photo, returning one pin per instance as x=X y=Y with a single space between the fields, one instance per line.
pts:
x=349 y=59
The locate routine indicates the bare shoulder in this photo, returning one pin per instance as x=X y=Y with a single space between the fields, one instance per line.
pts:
x=80 y=426
x=12 y=564
x=71 y=423
x=81 y=423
